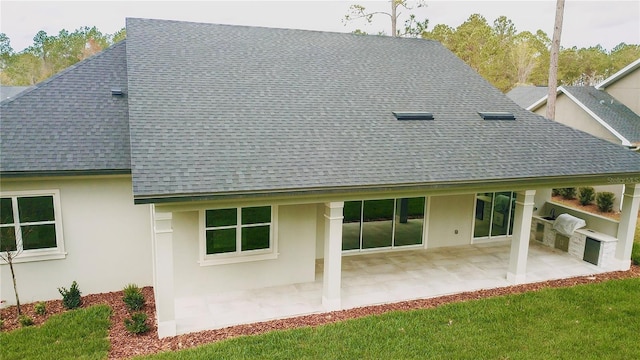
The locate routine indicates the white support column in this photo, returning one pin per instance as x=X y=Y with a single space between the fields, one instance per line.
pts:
x=163 y=279
x=521 y=233
x=627 y=225
x=332 y=255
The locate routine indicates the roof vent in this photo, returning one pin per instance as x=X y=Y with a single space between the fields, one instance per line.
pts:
x=116 y=91
x=496 y=115
x=413 y=115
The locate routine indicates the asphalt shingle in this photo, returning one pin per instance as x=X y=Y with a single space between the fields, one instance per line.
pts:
x=70 y=122
x=615 y=114
x=229 y=109
x=527 y=95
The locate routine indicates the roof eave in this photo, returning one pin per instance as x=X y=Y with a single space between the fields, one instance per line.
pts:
x=443 y=187
x=617 y=76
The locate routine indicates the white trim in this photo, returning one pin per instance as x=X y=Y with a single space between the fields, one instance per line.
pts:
x=238 y=256
x=53 y=253
x=625 y=142
x=617 y=76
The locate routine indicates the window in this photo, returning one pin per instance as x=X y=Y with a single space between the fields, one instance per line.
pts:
x=388 y=223
x=30 y=225
x=237 y=234
x=494 y=214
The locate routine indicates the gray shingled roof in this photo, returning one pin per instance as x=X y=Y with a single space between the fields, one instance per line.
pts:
x=615 y=114
x=70 y=122
x=527 y=95
x=218 y=109
x=11 y=91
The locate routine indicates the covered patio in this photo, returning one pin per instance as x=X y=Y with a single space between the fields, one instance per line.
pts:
x=381 y=277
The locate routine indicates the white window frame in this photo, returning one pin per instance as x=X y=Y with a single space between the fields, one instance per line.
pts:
x=52 y=253
x=238 y=256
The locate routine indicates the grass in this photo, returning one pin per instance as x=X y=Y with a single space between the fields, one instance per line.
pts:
x=77 y=334
x=583 y=322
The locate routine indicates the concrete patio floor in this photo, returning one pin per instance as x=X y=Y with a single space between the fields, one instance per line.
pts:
x=376 y=278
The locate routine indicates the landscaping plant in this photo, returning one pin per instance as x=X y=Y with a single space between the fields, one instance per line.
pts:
x=568 y=193
x=40 y=308
x=133 y=297
x=604 y=200
x=71 y=298
x=137 y=324
x=25 y=320
x=586 y=195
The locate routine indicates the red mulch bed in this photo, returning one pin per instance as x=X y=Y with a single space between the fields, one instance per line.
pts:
x=125 y=345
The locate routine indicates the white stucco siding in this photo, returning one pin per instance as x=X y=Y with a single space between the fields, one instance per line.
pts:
x=107 y=239
x=450 y=220
x=296 y=236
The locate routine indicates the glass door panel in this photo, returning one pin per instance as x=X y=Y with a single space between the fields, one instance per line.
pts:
x=377 y=223
x=351 y=225
x=409 y=221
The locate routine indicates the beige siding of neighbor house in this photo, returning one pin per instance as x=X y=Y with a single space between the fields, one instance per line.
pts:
x=572 y=115
x=106 y=237
x=627 y=90
x=296 y=237
x=450 y=220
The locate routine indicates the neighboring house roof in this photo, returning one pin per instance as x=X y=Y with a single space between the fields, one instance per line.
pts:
x=69 y=123
x=619 y=75
x=219 y=110
x=7 y=92
x=525 y=95
x=617 y=118
x=607 y=109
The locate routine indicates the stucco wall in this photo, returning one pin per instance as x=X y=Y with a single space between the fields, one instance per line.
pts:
x=572 y=115
x=295 y=262
x=107 y=239
x=627 y=90
x=448 y=214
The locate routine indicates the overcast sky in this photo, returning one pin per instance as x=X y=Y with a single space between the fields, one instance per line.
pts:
x=586 y=23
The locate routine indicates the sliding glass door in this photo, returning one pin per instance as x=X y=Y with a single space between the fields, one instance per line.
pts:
x=494 y=214
x=389 y=223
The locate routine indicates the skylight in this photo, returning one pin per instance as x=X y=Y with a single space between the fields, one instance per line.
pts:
x=402 y=115
x=496 y=115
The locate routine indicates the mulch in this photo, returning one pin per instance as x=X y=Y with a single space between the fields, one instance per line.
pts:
x=125 y=345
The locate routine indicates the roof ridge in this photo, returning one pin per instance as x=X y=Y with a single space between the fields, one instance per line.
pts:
x=279 y=28
x=62 y=72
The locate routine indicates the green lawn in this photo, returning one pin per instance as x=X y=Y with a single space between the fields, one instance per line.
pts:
x=77 y=334
x=585 y=322
x=635 y=253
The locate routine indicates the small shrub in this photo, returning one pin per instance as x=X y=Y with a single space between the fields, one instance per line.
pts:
x=635 y=253
x=25 y=320
x=604 y=200
x=137 y=324
x=1 y=323
x=133 y=297
x=71 y=298
x=555 y=192
x=568 y=193
x=586 y=195
x=40 y=308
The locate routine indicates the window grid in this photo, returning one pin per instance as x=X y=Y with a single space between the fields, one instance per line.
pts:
x=238 y=227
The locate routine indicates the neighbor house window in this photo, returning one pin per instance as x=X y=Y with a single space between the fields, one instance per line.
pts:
x=30 y=225
x=245 y=233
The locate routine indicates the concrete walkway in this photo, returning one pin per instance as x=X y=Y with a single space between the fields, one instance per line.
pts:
x=383 y=277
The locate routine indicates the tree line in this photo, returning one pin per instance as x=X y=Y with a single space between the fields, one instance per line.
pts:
x=502 y=55
x=50 y=54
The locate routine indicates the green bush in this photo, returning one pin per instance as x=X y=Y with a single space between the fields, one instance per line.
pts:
x=137 y=324
x=568 y=193
x=1 y=323
x=605 y=200
x=40 y=308
x=25 y=320
x=71 y=298
x=586 y=195
x=133 y=297
x=635 y=253
x=555 y=192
